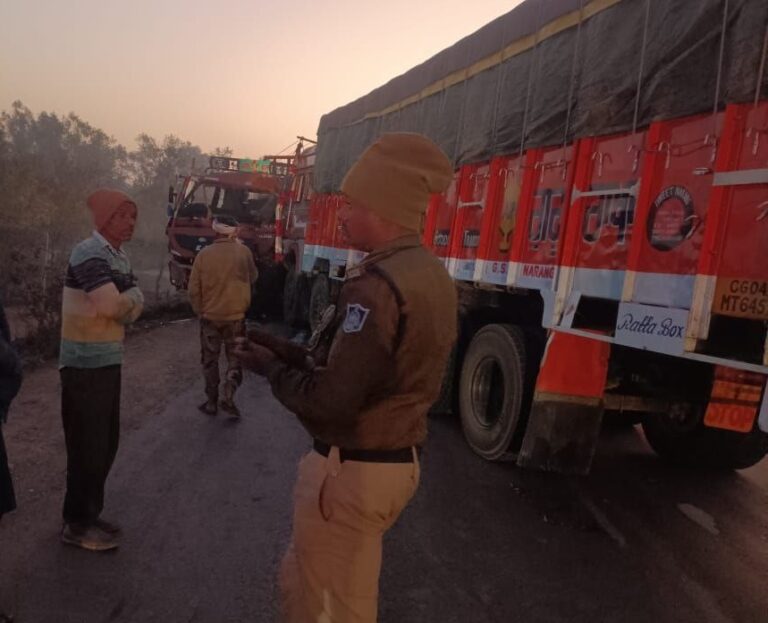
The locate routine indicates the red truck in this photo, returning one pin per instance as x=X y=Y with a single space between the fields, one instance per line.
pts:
x=251 y=191
x=292 y=225
x=607 y=227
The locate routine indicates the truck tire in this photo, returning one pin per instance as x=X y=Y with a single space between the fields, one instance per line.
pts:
x=492 y=388
x=319 y=299
x=686 y=441
x=267 y=292
x=291 y=297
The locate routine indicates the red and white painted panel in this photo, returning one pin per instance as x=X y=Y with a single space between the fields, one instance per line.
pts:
x=474 y=182
x=671 y=211
x=733 y=268
x=544 y=200
x=441 y=214
x=500 y=218
x=601 y=217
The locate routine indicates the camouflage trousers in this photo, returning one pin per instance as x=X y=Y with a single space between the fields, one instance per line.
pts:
x=214 y=335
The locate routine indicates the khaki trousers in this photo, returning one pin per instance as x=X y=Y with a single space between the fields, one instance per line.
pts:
x=330 y=573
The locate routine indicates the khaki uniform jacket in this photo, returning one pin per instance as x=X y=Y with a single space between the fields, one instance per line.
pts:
x=220 y=283
x=381 y=362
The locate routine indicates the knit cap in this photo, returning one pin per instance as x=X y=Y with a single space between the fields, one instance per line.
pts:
x=104 y=203
x=396 y=176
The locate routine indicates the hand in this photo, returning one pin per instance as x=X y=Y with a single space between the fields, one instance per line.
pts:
x=137 y=298
x=136 y=295
x=252 y=356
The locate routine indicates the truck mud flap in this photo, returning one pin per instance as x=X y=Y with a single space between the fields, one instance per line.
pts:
x=567 y=410
x=562 y=434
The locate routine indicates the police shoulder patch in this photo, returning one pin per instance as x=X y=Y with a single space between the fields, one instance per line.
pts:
x=355 y=318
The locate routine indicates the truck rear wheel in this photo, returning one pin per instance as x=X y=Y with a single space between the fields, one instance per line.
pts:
x=292 y=297
x=266 y=299
x=492 y=389
x=319 y=299
x=680 y=437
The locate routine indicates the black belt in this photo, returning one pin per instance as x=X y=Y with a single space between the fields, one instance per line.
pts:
x=401 y=455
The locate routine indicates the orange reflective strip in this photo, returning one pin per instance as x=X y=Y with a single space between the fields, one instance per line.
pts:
x=723 y=373
x=728 y=390
x=730 y=417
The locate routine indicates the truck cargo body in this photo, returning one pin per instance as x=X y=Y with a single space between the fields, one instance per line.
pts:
x=607 y=225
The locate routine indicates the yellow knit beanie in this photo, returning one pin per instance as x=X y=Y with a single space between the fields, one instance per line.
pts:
x=396 y=175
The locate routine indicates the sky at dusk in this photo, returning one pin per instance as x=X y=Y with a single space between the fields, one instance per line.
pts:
x=247 y=74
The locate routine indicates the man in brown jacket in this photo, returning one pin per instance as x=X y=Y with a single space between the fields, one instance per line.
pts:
x=379 y=366
x=220 y=294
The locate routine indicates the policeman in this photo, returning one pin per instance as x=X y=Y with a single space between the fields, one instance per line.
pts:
x=379 y=366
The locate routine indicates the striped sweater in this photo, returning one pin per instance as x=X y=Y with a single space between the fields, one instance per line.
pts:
x=100 y=298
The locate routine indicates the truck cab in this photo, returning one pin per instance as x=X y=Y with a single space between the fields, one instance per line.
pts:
x=244 y=189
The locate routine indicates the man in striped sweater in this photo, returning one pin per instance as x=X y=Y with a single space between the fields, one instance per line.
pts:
x=100 y=298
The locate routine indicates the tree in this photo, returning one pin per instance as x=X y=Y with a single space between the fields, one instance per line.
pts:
x=49 y=164
x=153 y=168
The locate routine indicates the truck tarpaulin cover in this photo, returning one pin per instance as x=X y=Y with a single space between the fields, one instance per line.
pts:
x=551 y=71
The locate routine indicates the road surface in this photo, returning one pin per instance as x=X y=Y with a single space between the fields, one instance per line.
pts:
x=205 y=503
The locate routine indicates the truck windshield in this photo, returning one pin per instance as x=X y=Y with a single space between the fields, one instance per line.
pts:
x=246 y=206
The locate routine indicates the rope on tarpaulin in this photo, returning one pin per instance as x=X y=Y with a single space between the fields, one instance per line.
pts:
x=460 y=124
x=499 y=89
x=639 y=89
x=571 y=88
x=719 y=79
x=761 y=68
x=535 y=54
x=641 y=68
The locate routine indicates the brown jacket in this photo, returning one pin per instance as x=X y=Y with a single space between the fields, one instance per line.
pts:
x=380 y=365
x=220 y=283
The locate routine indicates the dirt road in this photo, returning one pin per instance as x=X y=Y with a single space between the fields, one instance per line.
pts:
x=206 y=504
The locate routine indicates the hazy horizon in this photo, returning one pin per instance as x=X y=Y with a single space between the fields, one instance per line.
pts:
x=247 y=75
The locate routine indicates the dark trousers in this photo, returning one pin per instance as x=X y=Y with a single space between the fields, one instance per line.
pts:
x=7 y=499
x=90 y=410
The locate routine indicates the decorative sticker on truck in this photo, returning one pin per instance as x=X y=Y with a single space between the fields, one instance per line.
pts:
x=546 y=220
x=442 y=237
x=660 y=329
x=608 y=219
x=536 y=276
x=671 y=218
x=510 y=201
x=498 y=225
x=471 y=239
